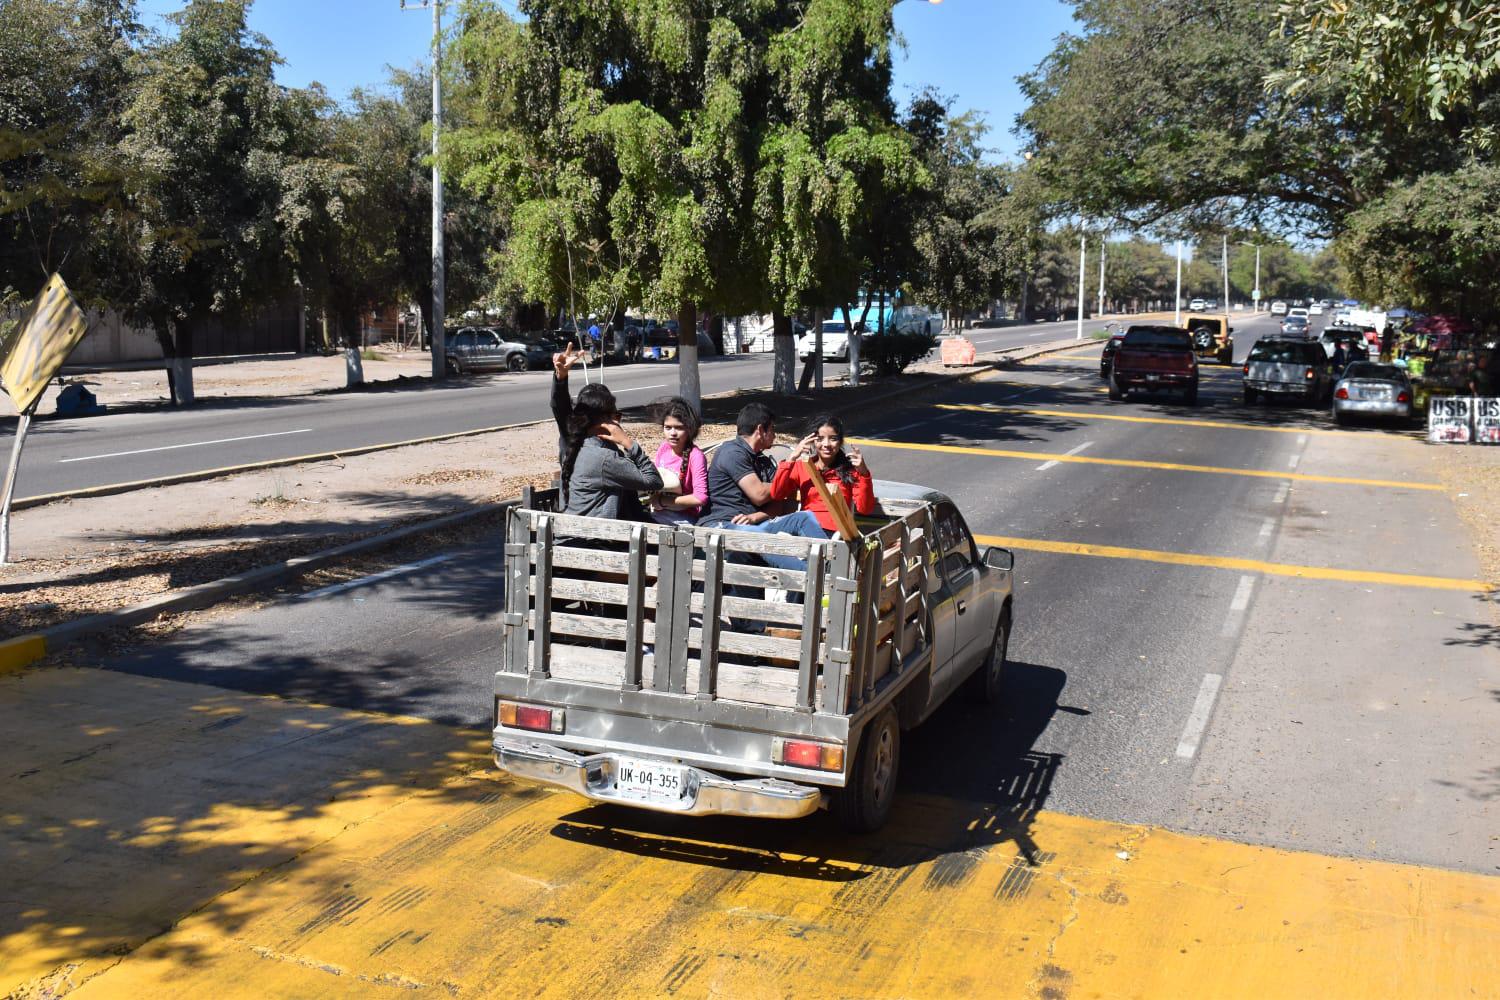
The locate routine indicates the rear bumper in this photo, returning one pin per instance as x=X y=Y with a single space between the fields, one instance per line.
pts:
x=1373 y=408
x=1303 y=389
x=706 y=794
x=1154 y=380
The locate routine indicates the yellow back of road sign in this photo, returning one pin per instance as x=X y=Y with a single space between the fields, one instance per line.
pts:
x=49 y=331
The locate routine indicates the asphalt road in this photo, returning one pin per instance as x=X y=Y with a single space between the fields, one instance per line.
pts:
x=65 y=455
x=1159 y=687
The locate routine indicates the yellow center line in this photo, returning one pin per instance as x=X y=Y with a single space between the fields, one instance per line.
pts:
x=1080 y=415
x=1129 y=463
x=1240 y=565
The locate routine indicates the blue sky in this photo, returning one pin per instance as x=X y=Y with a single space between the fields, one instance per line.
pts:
x=970 y=50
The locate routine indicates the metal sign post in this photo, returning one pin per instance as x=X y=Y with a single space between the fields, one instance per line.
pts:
x=10 y=480
x=44 y=338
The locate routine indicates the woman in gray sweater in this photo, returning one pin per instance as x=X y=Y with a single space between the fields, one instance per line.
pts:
x=603 y=470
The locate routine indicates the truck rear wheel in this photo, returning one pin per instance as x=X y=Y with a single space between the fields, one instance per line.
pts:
x=983 y=684
x=1190 y=395
x=864 y=804
x=1115 y=392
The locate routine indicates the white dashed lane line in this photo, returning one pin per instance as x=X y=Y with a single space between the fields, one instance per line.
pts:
x=1192 y=733
x=1073 y=451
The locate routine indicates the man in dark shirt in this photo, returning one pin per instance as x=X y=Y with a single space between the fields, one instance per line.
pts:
x=739 y=480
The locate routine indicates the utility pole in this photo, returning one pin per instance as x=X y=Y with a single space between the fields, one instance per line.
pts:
x=1177 y=302
x=1257 y=279
x=439 y=348
x=1226 y=272
x=1100 y=310
x=1083 y=242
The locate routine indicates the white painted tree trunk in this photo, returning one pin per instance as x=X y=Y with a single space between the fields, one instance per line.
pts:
x=182 y=380
x=354 y=367
x=785 y=379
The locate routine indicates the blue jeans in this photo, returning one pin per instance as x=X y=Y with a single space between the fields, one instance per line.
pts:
x=802 y=524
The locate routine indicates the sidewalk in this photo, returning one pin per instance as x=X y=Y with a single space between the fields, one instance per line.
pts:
x=91 y=555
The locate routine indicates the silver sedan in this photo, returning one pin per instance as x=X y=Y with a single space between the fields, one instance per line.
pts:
x=1368 y=389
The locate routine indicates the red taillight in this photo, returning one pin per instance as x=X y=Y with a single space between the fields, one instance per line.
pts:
x=1247 y=368
x=1342 y=393
x=804 y=753
x=1311 y=373
x=1403 y=397
x=533 y=717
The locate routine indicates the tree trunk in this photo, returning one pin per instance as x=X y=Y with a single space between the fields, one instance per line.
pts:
x=817 y=358
x=785 y=379
x=424 y=305
x=163 y=330
x=689 y=387
x=350 y=335
x=854 y=347
x=182 y=365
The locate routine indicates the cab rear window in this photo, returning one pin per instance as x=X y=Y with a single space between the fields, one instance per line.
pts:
x=1285 y=353
x=1159 y=337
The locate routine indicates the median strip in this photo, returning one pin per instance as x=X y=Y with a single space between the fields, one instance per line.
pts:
x=1177 y=422
x=1236 y=564
x=1032 y=456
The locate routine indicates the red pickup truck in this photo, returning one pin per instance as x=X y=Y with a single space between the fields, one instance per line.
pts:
x=1155 y=358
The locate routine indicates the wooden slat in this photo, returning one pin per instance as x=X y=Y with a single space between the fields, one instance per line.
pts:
x=541 y=583
x=841 y=586
x=808 y=652
x=598 y=561
x=517 y=575
x=772 y=686
x=848 y=530
x=758 y=541
x=635 y=611
x=595 y=527
x=667 y=584
x=680 y=611
x=904 y=543
x=709 y=606
x=601 y=592
x=744 y=643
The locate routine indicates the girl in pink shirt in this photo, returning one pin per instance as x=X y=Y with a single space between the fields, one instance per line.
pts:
x=679 y=428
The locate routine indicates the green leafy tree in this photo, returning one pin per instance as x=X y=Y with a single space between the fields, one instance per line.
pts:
x=64 y=81
x=209 y=135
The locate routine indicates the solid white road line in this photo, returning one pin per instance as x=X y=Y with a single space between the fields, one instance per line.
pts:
x=641 y=388
x=339 y=588
x=194 y=444
x=1192 y=733
x=1063 y=381
x=1047 y=465
x=897 y=430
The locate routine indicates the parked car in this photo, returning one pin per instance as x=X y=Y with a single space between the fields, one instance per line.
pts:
x=1107 y=358
x=1278 y=308
x=1153 y=358
x=835 y=341
x=1352 y=337
x=1316 y=309
x=1289 y=367
x=489 y=349
x=1294 y=326
x=1197 y=305
x=1369 y=389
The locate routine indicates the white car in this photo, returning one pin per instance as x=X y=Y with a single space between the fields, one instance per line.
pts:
x=1278 y=308
x=835 y=342
x=1197 y=305
x=1316 y=309
x=1299 y=312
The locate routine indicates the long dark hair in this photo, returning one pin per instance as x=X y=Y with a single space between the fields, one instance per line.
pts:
x=841 y=465
x=595 y=405
x=676 y=406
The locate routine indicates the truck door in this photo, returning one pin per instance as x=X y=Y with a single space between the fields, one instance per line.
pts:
x=963 y=600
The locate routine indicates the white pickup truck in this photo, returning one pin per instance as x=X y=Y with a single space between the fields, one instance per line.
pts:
x=653 y=666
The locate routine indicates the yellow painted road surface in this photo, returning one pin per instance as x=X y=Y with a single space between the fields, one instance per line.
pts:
x=261 y=848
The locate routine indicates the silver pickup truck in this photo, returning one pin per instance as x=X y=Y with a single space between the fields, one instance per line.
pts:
x=669 y=668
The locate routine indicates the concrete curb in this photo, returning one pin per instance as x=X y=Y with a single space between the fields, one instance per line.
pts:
x=22 y=651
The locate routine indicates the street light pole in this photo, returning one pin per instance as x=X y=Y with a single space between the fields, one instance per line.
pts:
x=1082 y=247
x=1225 y=260
x=1257 y=279
x=1177 y=302
x=439 y=348
x=1100 y=311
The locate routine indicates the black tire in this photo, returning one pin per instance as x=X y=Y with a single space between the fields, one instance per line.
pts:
x=1190 y=396
x=452 y=366
x=1115 y=392
x=863 y=805
x=516 y=363
x=1250 y=396
x=983 y=685
x=1339 y=418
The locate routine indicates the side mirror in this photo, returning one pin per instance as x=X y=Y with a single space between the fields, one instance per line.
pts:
x=998 y=558
x=1230 y=330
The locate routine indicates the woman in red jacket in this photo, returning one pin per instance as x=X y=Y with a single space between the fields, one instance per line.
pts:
x=845 y=471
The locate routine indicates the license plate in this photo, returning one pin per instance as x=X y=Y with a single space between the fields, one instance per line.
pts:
x=650 y=780
x=1153 y=378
